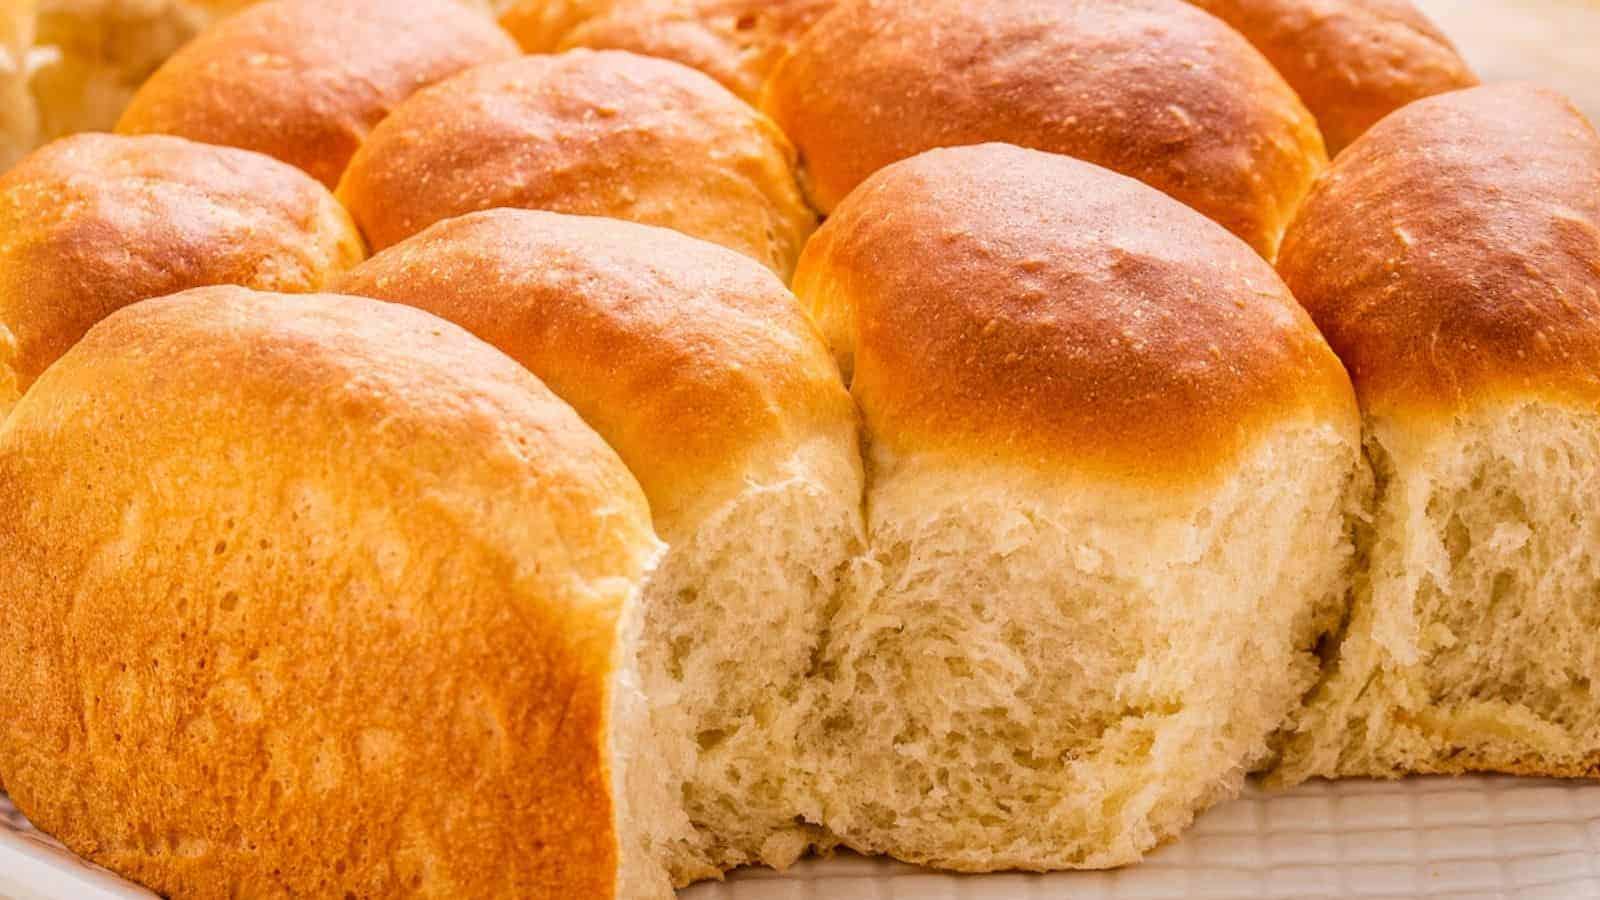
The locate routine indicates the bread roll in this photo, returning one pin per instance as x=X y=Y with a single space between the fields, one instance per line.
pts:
x=93 y=54
x=305 y=80
x=607 y=134
x=737 y=42
x=1351 y=61
x=699 y=367
x=1109 y=463
x=19 y=118
x=1154 y=89
x=94 y=222
x=1452 y=257
x=319 y=596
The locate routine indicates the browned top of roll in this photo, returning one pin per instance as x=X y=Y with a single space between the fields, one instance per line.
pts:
x=607 y=134
x=1351 y=61
x=1154 y=89
x=539 y=25
x=690 y=359
x=737 y=42
x=94 y=222
x=308 y=595
x=1000 y=305
x=1452 y=253
x=305 y=80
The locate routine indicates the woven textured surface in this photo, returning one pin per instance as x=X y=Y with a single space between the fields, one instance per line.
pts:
x=1441 y=838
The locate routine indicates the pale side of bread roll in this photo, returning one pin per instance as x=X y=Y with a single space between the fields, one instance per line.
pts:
x=94 y=222
x=1452 y=257
x=1109 y=466
x=19 y=117
x=737 y=42
x=305 y=80
x=604 y=133
x=1154 y=89
x=91 y=55
x=1351 y=61
x=701 y=369
x=320 y=596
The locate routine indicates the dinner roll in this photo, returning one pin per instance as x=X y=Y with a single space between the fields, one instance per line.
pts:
x=1452 y=257
x=320 y=596
x=94 y=222
x=305 y=80
x=1351 y=61
x=737 y=42
x=93 y=54
x=1154 y=89
x=19 y=118
x=608 y=133
x=700 y=368
x=1108 y=471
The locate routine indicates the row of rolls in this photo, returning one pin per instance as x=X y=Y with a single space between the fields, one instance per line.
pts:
x=579 y=453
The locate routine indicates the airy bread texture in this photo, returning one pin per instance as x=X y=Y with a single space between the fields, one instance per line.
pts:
x=1351 y=61
x=305 y=80
x=737 y=42
x=1154 y=89
x=94 y=222
x=1110 y=462
x=700 y=368
x=1452 y=257
x=606 y=134
x=233 y=663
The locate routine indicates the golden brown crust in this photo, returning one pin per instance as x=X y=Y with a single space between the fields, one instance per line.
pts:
x=19 y=117
x=1351 y=61
x=1453 y=253
x=94 y=222
x=606 y=134
x=305 y=80
x=737 y=42
x=1007 y=305
x=312 y=595
x=688 y=358
x=1154 y=89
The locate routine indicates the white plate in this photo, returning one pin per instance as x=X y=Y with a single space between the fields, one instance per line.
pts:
x=1456 y=838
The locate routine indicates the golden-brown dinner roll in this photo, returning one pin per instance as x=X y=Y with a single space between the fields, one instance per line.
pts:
x=1351 y=61
x=305 y=80
x=93 y=54
x=737 y=42
x=1109 y=464
x=94 y=222
x=700 y=368
x=605 y=134
x=19 y=118
x=1154 y=89
x=1452 y=257
x=320 y=596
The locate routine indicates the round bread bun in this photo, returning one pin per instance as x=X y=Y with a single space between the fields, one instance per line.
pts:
x=1452 y=257
x=700 y=368
x=305 y=80
x=319 y=596
x=737 y=42
x=94 y=222
x=1109 y=462
x=593 y=133
x=1154 y=89
x=1351 y=61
